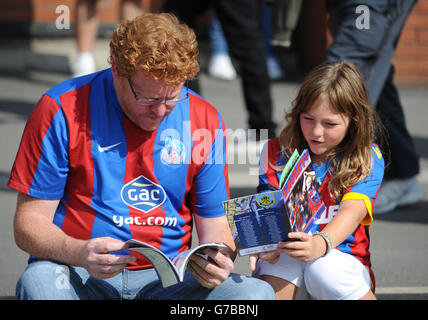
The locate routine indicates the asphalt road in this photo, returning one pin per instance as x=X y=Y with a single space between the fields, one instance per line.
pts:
x=398 y=239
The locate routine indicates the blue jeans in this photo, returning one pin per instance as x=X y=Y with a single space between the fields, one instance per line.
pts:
x=46 y=280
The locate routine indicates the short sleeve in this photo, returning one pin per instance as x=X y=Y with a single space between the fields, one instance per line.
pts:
x=212 y=181
x=41 y=165
x=367 y=189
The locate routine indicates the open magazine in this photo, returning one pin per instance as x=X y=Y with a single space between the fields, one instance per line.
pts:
x=170 y=271
x=259 y=221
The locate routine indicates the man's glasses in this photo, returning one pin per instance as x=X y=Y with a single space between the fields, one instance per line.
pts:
x=151 y=102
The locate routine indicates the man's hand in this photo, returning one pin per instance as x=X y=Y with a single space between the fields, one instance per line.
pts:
x=96 y=257
x=212 y=271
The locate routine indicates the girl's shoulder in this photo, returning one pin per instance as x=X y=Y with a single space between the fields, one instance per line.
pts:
x=371 y=183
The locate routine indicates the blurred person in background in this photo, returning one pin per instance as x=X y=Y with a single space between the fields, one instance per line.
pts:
x=366 y=32
x=240 y=21
x=87 y=23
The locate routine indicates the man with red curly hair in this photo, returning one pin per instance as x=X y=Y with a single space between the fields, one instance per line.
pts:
x=126 y=153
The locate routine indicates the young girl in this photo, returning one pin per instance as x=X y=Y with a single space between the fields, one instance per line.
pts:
x=331 y=117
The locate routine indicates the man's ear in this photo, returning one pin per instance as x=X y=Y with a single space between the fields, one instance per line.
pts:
x=114 y=71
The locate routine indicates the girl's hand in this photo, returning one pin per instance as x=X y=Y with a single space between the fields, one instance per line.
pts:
x=307 y=248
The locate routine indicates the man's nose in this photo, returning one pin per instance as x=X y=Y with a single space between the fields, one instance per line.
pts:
x=160 y=108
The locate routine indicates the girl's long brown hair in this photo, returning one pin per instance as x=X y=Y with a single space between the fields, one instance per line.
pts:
x=343 y=86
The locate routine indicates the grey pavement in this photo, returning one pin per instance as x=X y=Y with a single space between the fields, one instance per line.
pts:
x=399 y=240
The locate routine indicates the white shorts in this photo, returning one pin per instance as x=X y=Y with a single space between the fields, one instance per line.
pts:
x=336 y=276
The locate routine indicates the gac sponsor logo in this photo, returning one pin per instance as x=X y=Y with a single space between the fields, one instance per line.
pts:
x=143 y=194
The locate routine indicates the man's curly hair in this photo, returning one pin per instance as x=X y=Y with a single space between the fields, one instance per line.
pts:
x=158 y=44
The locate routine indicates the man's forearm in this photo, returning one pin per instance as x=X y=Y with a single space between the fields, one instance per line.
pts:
x=44 y=240
x=36 y=234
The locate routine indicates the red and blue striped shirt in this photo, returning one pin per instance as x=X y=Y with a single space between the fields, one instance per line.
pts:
x=116 y=180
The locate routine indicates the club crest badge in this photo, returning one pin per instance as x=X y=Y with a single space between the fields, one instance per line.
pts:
x=143 y=194
x=265 y=200
x=173 y=152
x=242 y=203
